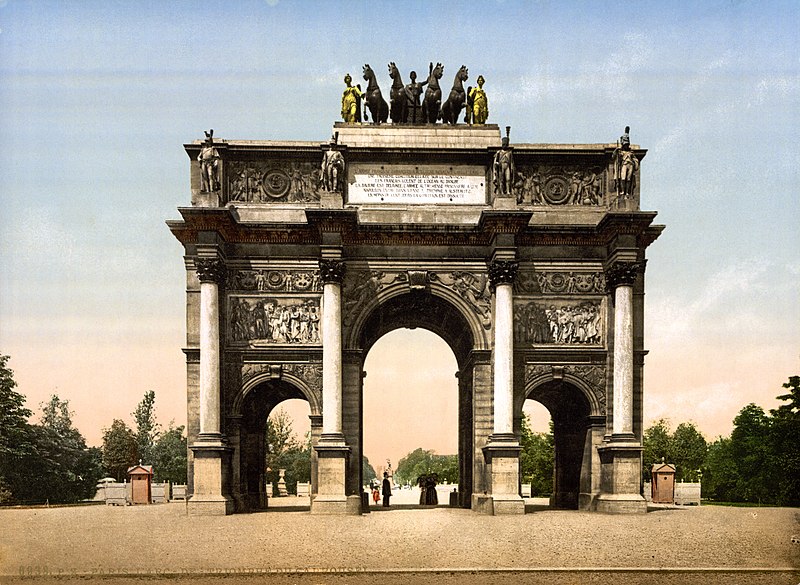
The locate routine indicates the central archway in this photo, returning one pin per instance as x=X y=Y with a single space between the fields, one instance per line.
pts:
x=433 y=311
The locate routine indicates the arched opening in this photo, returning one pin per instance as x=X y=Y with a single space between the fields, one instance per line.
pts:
x=428 y=311
x=569 y=409
x=411 y=404
x=262 y=454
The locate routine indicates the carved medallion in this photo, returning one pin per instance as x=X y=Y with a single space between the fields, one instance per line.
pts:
x=560 y=185
x=275 y=280
x=276 y=183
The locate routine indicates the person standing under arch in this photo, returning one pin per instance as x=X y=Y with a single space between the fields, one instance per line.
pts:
x=386 y=489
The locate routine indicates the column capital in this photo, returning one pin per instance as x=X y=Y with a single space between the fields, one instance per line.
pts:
x=502 y=272
x=210 y=270
x=332 y=271
x=623 y=274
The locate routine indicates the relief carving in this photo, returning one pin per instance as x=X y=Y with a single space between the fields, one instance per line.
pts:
x=560 y=185
x=275 y=280
x=361 y=287
x=571 y=282
x=278 y=320
x=273 y=182
x=473 y=288
x=592 y=375
x=311 y=374
x=569 y=323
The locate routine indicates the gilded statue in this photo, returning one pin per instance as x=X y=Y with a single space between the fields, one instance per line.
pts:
x=351 y=102
x=477 y=103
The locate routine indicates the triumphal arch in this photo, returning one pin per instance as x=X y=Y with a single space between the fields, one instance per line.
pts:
x=527 y=259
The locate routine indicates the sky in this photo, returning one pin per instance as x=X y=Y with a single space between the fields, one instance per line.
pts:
x=97 y=99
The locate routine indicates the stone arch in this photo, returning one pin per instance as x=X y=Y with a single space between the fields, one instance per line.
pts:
x=306 y=378
x=436 y=308
x=588 y=379
x=577 y=429
x=442 y=312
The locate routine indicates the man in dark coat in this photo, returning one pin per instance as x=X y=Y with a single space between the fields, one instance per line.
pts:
x=386 y=488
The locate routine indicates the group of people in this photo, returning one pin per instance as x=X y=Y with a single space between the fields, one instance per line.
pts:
x=567 y=325
x=268 y=321
x=386 y=489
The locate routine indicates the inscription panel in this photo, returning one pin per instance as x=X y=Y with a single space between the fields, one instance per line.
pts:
x=407 y=184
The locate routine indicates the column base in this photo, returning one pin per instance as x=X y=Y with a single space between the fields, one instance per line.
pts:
x=336 y=506
x=210 y=506
x=502 y=457
x=620 y=480
x=621 y=504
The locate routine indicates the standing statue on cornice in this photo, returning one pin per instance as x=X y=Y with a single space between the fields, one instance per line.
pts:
x=209 y=160
x=333 y=167
x=477 y=104
x=503 y=169
x=351 y=102
x=625 y=166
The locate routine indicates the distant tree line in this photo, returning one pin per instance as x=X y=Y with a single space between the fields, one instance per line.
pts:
x=759 y=463
x=49 y=461
x=421 y=462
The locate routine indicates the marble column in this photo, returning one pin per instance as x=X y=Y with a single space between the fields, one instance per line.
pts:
x=332 y=274
x=211 y=453
x=621 y=278
x=501 y=275
x=332 y=450
x=621 y=456
x=501 y=453
x=210 y=273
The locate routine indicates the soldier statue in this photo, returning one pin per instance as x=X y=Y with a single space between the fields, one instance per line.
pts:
x=209 y=160
x=332 y=168
x=504 y=171
x=625 y=166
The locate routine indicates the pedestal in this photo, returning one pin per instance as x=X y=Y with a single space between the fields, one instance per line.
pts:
x=332 y=499
x=210 y=497
x=621 y=468
x=502 y=458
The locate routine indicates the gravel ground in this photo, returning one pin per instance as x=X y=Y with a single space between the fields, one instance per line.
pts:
x=146 y=542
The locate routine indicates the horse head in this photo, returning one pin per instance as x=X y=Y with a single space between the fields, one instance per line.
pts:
x=368 y=73
x=393 y=72
x=438 y=71
x=463 y=73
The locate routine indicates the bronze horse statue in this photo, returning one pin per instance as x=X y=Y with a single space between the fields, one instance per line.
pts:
x=397 y=96
x=374 y=100
x=433 y=95
x=457 y=98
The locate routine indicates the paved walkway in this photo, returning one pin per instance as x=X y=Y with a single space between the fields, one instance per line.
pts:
x=707 y=544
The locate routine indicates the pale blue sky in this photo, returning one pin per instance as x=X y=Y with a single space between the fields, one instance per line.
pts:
x=97 y=98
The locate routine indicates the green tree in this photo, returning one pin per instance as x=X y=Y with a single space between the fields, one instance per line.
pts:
x=147 y=430
x=120 y=450
x=66 y=470
x=657 y=444
x=689 y=451
x=368 y=474
x=720 y=474
x=785 y=445
x=169 y=455
x=537 y=458
x=750 y=449
x=16 y=440
x=285 y=451
x=422 y=461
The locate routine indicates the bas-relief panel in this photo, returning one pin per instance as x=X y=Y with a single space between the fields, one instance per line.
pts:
x=266 y=320
x=275 y=280
x=273 y=182
x=559 y=282
x=559 y=322
x=560 y=185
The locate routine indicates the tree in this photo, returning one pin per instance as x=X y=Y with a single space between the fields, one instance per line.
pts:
x=368 y=474
x=422 y=461
x=657 y=444
x=689 y=451
x=284 y=451
x=16 y=445
x=120 y=449
x=146 y=427
x=537 y=458
x=66 y=470
x=169 y=455
x=720 y=475
x=785 y=446
x=750 y=450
